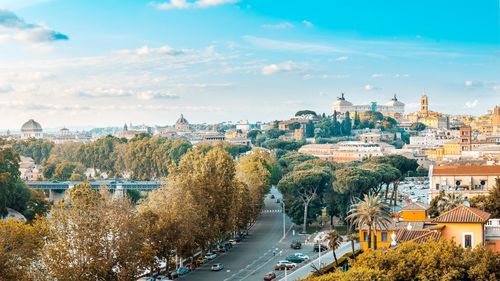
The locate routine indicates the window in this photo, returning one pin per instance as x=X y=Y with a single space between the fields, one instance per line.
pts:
x=384 y=237
x=365 y=236
x=467 y=240
x=437 y=186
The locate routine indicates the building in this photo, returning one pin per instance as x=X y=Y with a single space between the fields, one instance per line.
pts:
x=182 y=124
x=65 y=135
x=31 y=130
x=429 y=118
x=347 y=151
x=495 y=119
x=29 y=171
x=468 y=227
x=393 y=107
x=467 y=180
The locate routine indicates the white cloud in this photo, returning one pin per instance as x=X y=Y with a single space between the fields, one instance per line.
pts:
x=184 y=4
x=150 y=95
x=287 y=66
x=305 y=47
x=16 y=29
x=308 y=23
x=342 y=58
x=145 y=51
x=281 y=25
x=471 y=104
x=369 y=87
x=397 y=75
x=5 y=88
x=377 y=75
x=468 y=83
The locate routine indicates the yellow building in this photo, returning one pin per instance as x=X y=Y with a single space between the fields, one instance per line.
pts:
x=464 y=225
x=452 y=147
x=414 y=211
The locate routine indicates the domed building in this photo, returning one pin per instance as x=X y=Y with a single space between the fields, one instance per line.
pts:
x=182 y=124
x=31 y=129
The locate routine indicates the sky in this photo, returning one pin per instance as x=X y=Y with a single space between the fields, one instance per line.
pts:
x=104 y=63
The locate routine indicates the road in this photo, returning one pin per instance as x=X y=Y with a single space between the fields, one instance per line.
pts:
x=253 y=257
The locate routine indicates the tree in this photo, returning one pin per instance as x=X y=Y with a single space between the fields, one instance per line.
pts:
x=336 y=128
x=347 y=125
x=92 y=236
x=353 y=237
x=371 y=212
x=334 y=242
x=443 y=260
x=13 y=193
x=306 y=114
x=357 y=121
x=489 y=203
x=310 y=129
x=305 y=185
x=418 y=126
x=450 y=201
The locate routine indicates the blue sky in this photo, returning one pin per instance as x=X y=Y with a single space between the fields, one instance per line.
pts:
x=101 y=63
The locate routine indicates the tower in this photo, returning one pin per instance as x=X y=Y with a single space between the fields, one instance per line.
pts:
x=495 y=120
x=465 y=138
x=424 y=105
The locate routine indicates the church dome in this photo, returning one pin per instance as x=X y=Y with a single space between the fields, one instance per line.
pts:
x=182 y=121
x=31 y=126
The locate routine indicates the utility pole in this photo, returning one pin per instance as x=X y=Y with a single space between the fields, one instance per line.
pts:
x=284 y=218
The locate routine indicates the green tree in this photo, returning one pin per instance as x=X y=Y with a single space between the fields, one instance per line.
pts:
x=347 y=125
x=450 y=201
x=371 y=212
x=310 y=129
x=334 y=242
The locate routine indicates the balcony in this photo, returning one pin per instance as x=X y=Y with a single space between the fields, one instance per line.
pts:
x=492 y=228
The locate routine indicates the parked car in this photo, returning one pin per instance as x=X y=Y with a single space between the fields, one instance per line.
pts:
x=296 y=244
x=182 y=271
x=269 y=276
x=210 y=256
x=228 y=245
x=281 y=265
x=162 y=278
x=173 y=274
x=201 y=260
x=146 y=279
x=233 y=242
x=294 y=259
x=304 y=257
x=318 y=246
x=238 y=238
x=272 y=196
x=221 y=248
x=278 y=200
x=217 y=267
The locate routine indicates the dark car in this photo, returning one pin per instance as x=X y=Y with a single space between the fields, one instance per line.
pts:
x=294 y=259
x=272 y=196
x=269 y=276
x=296 y=244
x=318 y=246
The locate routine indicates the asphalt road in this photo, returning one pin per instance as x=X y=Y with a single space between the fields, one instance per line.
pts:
x=253 y=257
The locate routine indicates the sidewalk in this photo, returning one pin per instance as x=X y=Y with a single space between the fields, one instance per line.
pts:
x=326 y=258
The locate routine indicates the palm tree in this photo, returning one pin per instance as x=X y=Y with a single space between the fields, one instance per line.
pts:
x=353 y=237
x=334 y=241
x=450 y=201
x=372 y=212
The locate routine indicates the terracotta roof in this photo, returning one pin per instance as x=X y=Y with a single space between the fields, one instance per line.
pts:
x=492 y=170
x=414 y=206
x=419 y=235
x=463 y=214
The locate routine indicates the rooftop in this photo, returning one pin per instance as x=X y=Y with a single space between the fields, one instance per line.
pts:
x=463 y=214
x=466 y=170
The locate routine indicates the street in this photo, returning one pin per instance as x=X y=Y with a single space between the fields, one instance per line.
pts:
x=253 y=257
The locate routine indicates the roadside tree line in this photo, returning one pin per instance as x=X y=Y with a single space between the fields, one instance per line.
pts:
x=92 y=235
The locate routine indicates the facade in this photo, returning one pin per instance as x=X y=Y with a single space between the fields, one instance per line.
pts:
x=393 y=107
x=429 y=118
x=495 y=120
x=31 y=130
x=347 y=151
x=182 y=124
x=467 y=180
x=66 y=135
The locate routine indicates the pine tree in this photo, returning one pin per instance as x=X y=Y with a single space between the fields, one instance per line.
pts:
x=357 y=120
x=347 y=125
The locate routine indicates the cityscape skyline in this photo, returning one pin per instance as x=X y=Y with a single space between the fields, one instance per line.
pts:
x=267 y=64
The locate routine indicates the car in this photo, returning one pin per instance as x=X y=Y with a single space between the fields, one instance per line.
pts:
x=284 y=264
x=269 y=276
x=210 y=256
x=318 y=246
x=272 y=196
x=294 y=259
x=228 y=245
x=162 y=278
x=238 y=239
x=146 y=279
x=304 y=257
x=278 y=200
x=221 y=248
x=201 y=260
x=217 y=267
x=296 y=244
x=182 y=270
x=232 y=241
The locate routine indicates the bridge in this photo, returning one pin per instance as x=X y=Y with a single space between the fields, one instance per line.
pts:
x=110 y=184
x=56 y=189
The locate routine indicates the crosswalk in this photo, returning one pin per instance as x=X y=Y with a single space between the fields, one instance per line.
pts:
x=271 y=211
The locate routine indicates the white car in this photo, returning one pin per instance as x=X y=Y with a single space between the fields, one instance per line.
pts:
x=163 y=278
x=302 y=256
x=232 y=241
x=210 y=256
x=217 y=267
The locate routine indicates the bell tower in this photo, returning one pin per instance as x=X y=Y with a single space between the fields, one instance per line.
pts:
x=424 y=105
